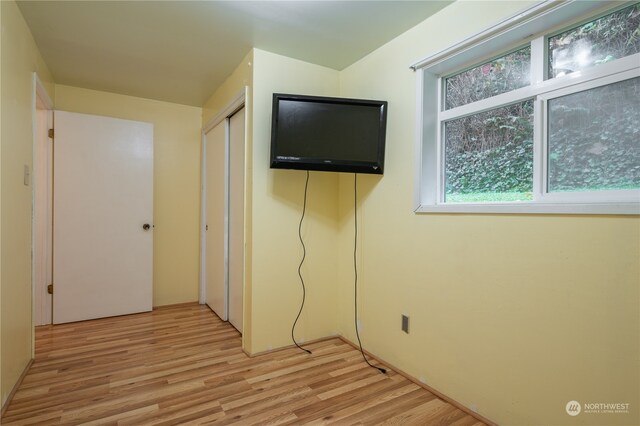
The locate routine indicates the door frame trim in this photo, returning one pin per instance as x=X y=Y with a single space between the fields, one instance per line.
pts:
x=238 y=102
x=40 y=100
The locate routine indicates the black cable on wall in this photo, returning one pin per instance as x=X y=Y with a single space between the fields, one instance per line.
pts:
x=304 y=255
x=355 y=269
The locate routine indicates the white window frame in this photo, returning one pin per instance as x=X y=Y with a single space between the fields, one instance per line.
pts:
x=542 y=20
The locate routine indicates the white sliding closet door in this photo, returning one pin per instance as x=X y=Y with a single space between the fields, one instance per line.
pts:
x=236 y=218
x=216 y=234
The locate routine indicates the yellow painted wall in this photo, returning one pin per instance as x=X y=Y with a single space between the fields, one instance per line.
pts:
x=2 y=397
x=20 y=58
x=277 y=204
x=176 y=183
x=514 y=315
x=242 y=76
x=274 y=204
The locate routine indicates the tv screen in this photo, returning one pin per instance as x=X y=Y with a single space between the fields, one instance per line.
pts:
x=328 y=134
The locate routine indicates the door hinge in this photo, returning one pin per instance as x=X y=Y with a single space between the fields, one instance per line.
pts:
x=50 y=289
x=51 y=133
x=206 y=227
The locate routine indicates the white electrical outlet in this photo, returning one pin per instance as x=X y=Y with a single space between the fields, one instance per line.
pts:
x=405 y=323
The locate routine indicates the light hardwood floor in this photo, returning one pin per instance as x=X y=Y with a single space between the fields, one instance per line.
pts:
x=183 y=365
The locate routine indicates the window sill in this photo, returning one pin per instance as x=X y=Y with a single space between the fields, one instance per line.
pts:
x=533 y=208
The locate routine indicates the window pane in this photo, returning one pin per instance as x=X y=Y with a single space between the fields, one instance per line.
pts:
x=594 y=139
x=501 y=75
x=610 y=37
x=489 y=156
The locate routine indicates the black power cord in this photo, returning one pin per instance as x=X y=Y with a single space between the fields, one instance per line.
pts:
x=355 y=269
x=304 y=255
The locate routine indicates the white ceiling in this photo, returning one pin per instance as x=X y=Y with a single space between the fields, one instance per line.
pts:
x=181 y=51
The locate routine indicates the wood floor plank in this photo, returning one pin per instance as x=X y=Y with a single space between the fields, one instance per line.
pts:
x=428 y=413
x=183 y=365
x=348 y=404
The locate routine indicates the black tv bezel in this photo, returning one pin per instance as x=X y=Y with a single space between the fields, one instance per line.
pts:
x=329 y=165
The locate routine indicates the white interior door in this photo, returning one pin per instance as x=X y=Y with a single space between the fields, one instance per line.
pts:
x=236 y=218
x=103 y=197
x=216 y=243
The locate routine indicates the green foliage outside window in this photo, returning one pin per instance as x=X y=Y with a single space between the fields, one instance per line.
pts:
x=489 y=156
x=594 y=139
x=597 y=42
x=594 y=136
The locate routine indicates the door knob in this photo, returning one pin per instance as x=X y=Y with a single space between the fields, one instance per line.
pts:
x=146 y=226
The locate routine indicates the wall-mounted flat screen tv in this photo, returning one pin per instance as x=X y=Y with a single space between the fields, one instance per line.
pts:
x=328 y=134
